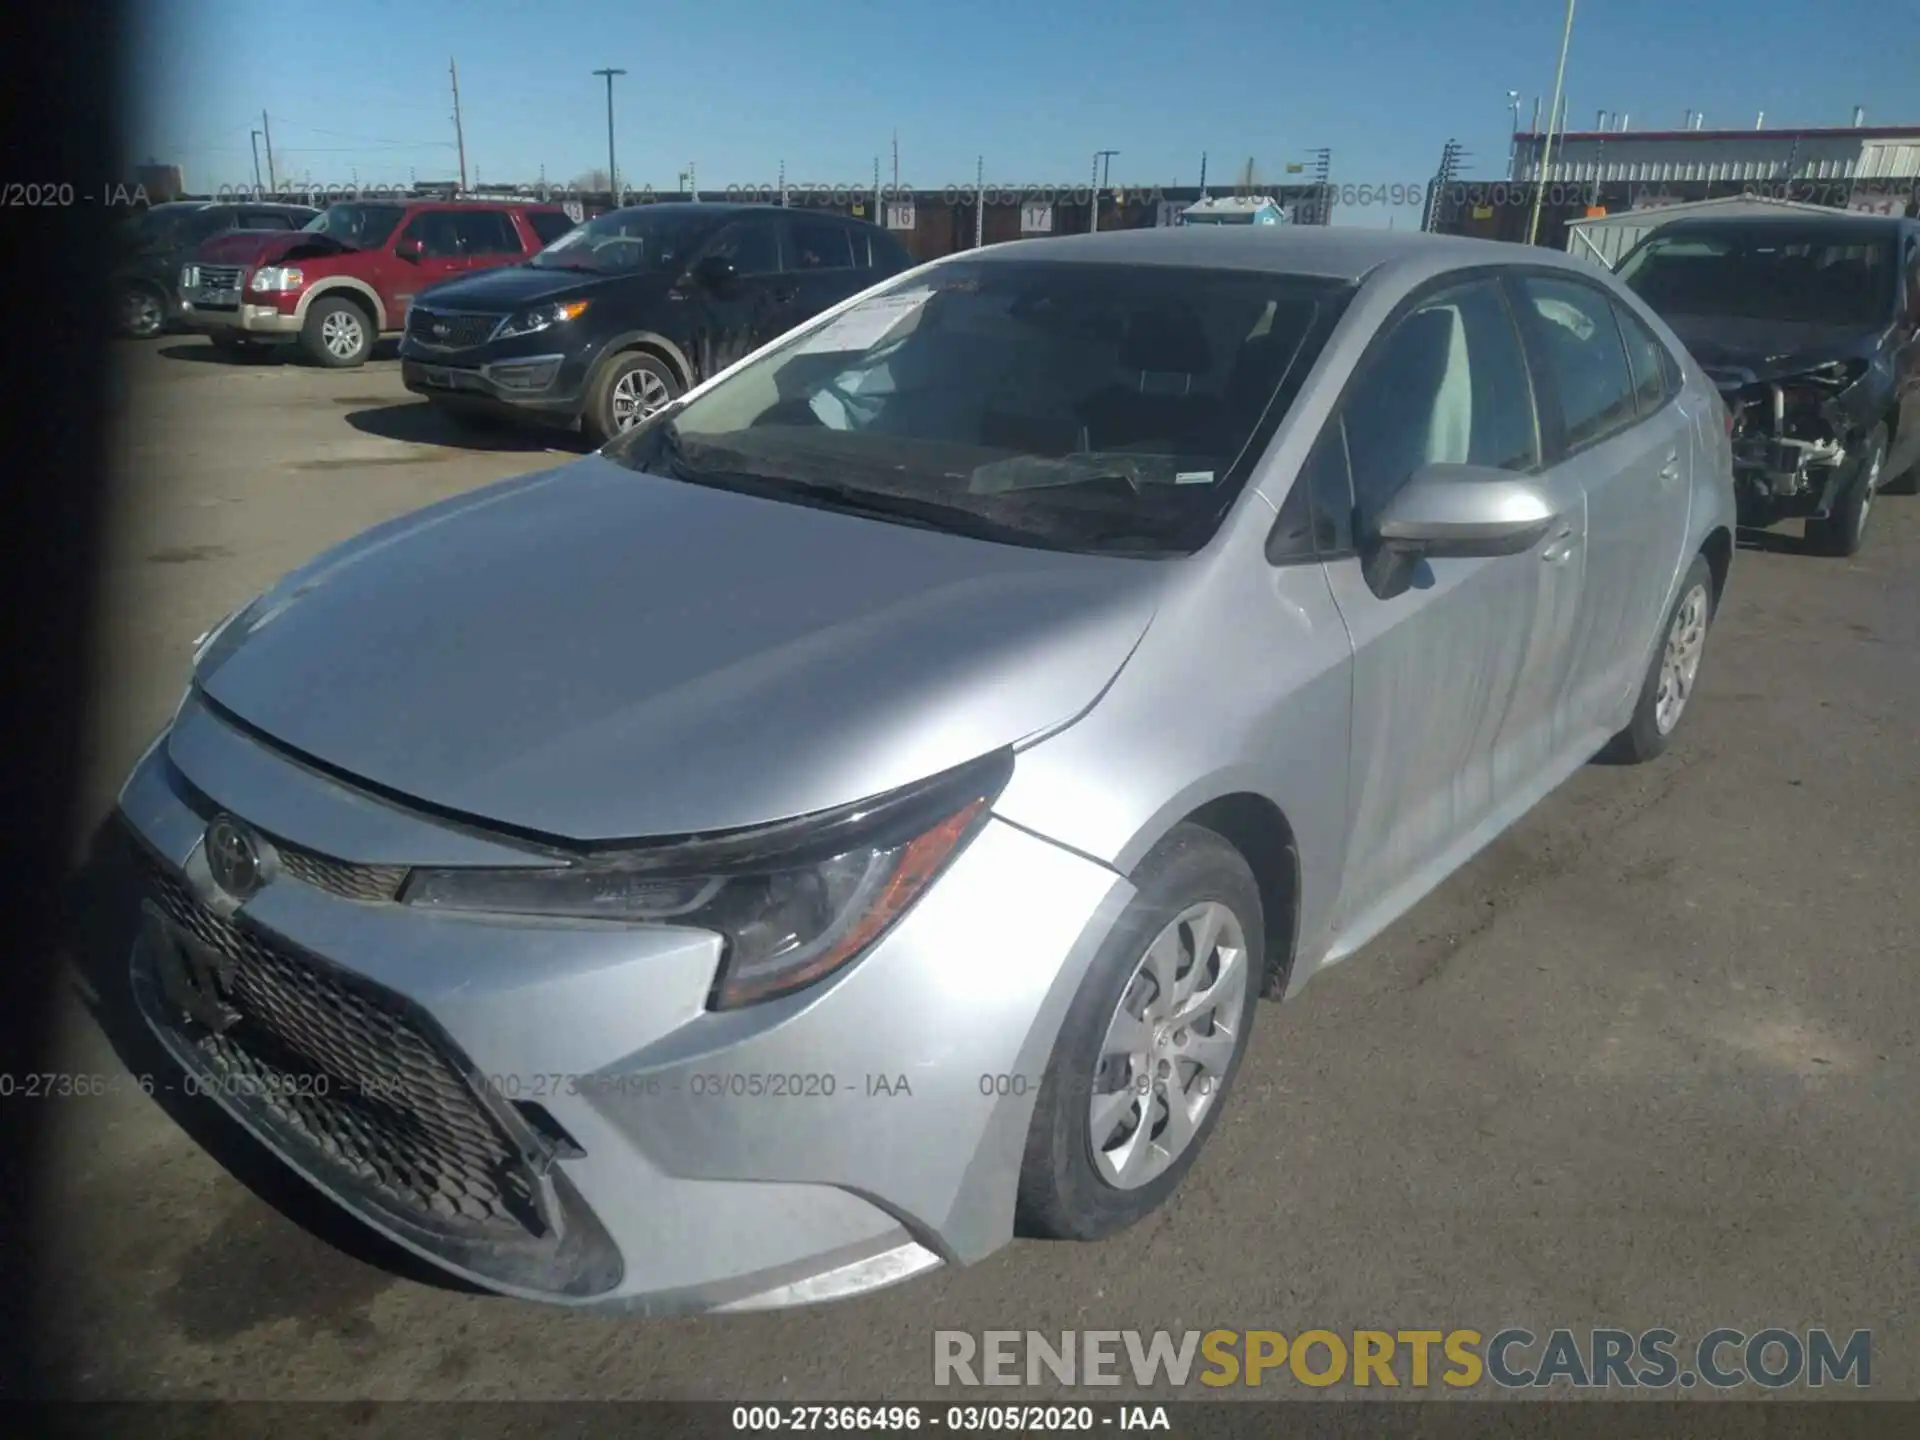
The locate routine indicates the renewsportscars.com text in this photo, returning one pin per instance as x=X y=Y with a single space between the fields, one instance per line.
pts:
x=1512 y=1358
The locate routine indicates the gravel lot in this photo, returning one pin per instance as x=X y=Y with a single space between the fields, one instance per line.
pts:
x=1650 y=1061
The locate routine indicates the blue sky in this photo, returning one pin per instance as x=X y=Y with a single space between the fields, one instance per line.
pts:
x=357 y=90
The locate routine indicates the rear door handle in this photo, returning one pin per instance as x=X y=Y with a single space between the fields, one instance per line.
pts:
x=1560 y=549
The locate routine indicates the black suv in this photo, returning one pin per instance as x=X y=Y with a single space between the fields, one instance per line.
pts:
x=1810 y=326
x=157 y=241
x=627 y=312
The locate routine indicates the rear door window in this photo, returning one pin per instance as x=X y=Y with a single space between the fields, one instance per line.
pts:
x=484 y=232
x=818 y=245
x=549 y=225
x=1578 y=344
x=1654 y=369
x=752 y=245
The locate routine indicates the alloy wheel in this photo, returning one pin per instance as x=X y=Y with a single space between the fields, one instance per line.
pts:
x=636 y=395
x=141 y=312
x=1168 y=1048
x=1680 y=663
x=342 y=334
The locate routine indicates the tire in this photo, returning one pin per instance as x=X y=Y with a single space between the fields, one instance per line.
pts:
x=1065 y=1192
x=1844 y=531
x=1907 y=482
x=143 y=312
x=1653 y=723
x=338 y=333
x=632 y=376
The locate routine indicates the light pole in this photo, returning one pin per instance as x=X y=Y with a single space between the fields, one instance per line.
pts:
x=1546 y=151
x=613 y=175
x=1513 y=133
x=256 y=163
x=1100 y=161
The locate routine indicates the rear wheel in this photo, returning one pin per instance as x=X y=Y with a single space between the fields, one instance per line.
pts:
x=1671 y=678
x=1150 y=1045
x=337 y=333
x=629 y=388
x=1845 y=530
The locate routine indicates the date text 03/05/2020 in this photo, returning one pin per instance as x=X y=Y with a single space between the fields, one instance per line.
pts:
x=962 y=1419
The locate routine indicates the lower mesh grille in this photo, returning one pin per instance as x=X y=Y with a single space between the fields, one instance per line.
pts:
x=347 y=1068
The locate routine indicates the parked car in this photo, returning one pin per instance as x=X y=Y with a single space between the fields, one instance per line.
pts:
x=346 y=279
x=156 y=241
x=855 y=812
x=1811 y=328
x=625 y=313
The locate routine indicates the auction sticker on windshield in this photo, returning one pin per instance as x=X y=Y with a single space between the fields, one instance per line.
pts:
x=865 y=325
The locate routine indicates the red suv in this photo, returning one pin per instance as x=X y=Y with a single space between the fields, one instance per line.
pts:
x=348 y=277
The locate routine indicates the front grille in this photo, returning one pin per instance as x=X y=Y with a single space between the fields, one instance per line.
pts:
x=220 y=277
x=449 y=332
x=340 y=877
x=348 y=1072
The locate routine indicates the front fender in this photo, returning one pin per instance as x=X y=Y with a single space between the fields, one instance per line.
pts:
x=336 y=284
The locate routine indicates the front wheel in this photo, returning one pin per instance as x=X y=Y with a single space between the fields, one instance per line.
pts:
x=337 y=333
x=143 y=314
x=628 y=389
x=1672 y=676
x=1844 y=531
x=1149 y=1046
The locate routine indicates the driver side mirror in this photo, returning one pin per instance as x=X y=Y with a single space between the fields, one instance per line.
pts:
x=410 y=249
x=1455 y=512
x=717 y=273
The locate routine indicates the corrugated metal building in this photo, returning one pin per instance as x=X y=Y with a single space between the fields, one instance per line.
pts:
x=1607 y=238
x=1740 y=158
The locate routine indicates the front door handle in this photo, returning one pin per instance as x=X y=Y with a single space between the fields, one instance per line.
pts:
x=1560 y=549
x=1670 y=471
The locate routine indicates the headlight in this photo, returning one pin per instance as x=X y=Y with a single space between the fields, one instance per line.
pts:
x=277 y=279
x=529 y=322
x=793 y=902
x=189 y=276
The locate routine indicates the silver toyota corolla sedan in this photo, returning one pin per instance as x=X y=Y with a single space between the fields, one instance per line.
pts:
x=849 y=821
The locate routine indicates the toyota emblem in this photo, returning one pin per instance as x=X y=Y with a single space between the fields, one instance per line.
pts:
x=234 y=858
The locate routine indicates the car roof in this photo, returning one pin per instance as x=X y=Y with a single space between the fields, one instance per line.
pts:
x=1799 y=223
x=1323 y=252
x=719 y=208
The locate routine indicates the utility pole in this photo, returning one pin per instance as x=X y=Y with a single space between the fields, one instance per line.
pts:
x=1100 y=158
x=1203 y=174
x=256 y=161
x=1513 y=134
x=1559 y=83
x=459 y=135
x=266 y=134
x=896 y=163
x=979 y=200
x=613 y=176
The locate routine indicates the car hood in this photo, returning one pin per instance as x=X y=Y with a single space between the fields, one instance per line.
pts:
x=510 y=287
x=596 y=653
x=1768 y=349
x=265 y=247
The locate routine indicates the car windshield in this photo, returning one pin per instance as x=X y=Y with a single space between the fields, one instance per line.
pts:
x=356 y=225
x=1767 y=273
x=627 y=242
x=1106 y=408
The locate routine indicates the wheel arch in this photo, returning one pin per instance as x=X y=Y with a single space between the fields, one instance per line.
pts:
x=1259 y=829
x=345 y=287
x=648 y=342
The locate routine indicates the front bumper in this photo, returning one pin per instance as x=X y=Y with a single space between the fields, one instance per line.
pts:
x=534 y=384
x=268 y=322
x=568 y=1079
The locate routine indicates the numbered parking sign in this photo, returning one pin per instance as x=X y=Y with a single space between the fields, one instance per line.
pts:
x=1036 y=219
x=900 y=215
x=574 y=212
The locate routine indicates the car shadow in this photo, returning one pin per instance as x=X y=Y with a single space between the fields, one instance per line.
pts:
x=1770 y=542
x=102 y=912
x=199 y=350
x=424 y=423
